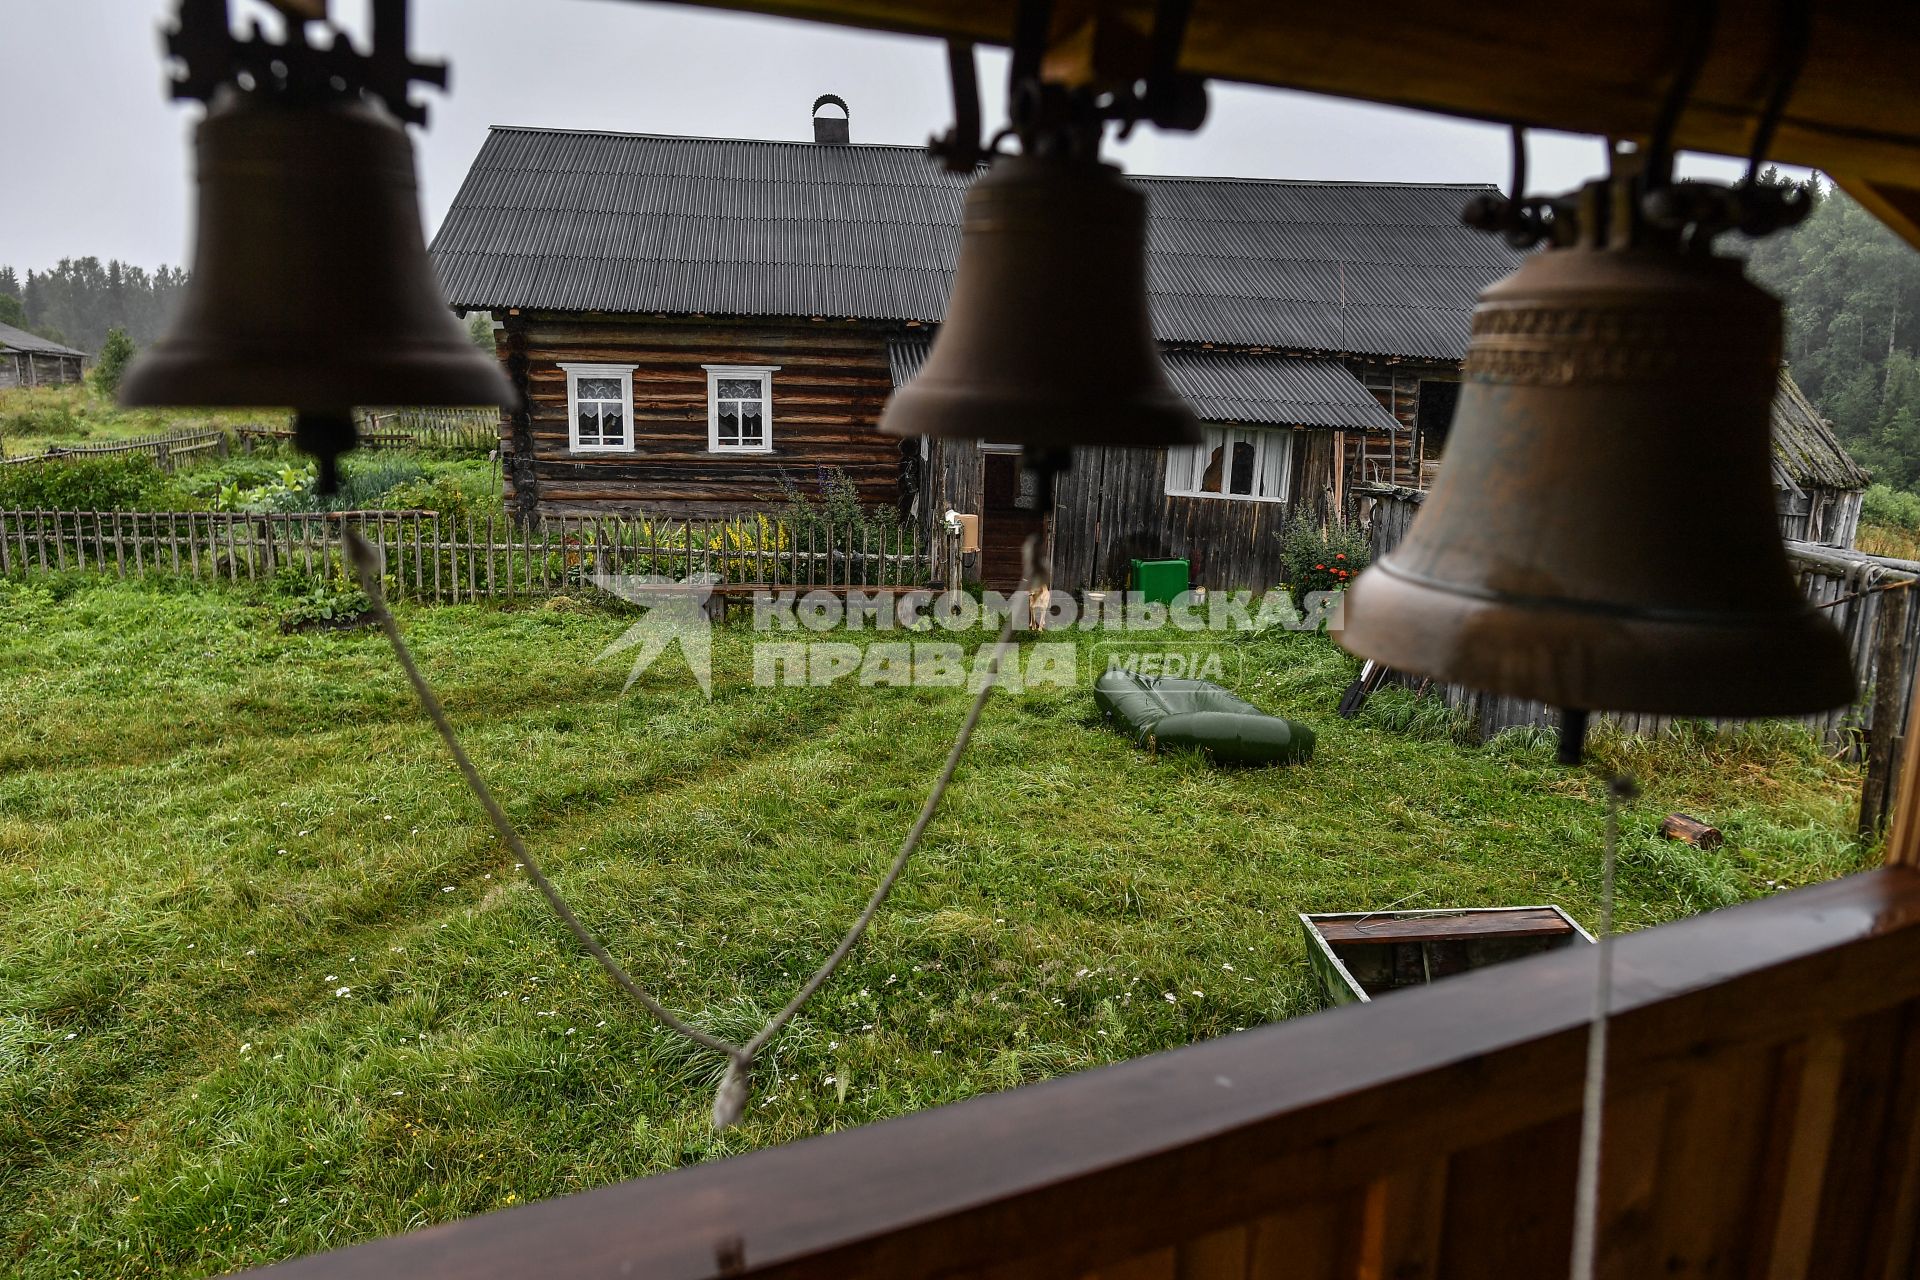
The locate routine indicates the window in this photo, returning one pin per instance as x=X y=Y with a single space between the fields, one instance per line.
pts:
x=740 y=408
x=600 y=407
x=1248 y=463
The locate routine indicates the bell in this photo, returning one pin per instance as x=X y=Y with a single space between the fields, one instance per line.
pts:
x=1047 y=342
x=1602 y=534
x=311 y=286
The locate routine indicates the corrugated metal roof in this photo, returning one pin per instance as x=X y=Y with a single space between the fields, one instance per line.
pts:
x=1805 y=450
x=575 y=221
x=13 y=339
x=1231 y=386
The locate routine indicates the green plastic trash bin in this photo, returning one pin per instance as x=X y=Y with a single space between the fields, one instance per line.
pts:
x=1158 y=580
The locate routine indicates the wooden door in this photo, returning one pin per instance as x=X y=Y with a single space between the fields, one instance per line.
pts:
x=1009 y=511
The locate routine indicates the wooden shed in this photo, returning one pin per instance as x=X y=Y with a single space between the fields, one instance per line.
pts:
x=28 y=360
x=1816 y=481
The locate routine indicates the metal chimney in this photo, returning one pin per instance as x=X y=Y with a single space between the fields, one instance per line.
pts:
x=831 y=130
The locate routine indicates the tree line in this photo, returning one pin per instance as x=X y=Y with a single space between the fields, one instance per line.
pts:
x=1852 y=294
x=81 y=301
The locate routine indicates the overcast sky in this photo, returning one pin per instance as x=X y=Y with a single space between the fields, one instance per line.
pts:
x=98 y=156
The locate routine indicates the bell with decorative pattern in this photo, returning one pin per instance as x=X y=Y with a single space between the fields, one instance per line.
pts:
x=1602 y=534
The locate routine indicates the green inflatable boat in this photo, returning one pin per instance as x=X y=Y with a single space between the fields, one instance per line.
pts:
x=1162 y=711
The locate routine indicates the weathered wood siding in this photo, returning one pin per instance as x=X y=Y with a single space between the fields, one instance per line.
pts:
x=1396 y=385
x=1112 y=507
x=1830 y=517
x=32 y=369
x=827 y=395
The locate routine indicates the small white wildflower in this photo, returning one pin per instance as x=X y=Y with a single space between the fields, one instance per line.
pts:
x=866 y=1026
x=601 y=1023
x=826 y=1080
x=245 y=1047
x=1227 y=967
x=283 y=1199
x=333 y=977
x=343 y=991
x=303 y=833
x=283 y=851
x=569 y=1030
x=1199 y=993
x=72 y=1034
x=386 y=817
x=249 y=950
x=1081 y=973
x=1168 y=997
x=446 y=888
x=936 y=1053
x=833 y=1044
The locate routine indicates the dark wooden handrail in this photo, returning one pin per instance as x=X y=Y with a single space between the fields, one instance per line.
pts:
x=1364 y=1130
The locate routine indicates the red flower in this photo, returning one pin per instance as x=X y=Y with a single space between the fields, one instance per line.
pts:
x=1339 y=555
x=1319 y=566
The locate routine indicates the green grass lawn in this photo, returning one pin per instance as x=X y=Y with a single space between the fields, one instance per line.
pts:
x=268 y=983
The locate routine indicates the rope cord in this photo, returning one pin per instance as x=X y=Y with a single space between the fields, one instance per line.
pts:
x=1586 y=1194
x=731 y=1098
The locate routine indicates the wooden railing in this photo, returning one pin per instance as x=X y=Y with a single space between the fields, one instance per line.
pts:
x=444 y=557
x=1762 y=1119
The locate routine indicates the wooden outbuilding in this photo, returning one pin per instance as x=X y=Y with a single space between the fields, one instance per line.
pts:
x=1816 y=482
x=28 y=360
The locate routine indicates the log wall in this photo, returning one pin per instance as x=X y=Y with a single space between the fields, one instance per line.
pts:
x=827 y=395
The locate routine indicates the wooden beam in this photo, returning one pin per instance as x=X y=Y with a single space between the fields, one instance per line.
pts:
x=1589 y=66
x=302 y=10
x=1903 y=842
x=1897 y=206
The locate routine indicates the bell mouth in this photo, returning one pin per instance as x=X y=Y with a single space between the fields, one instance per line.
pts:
x=1600 y=657
x=961 y=411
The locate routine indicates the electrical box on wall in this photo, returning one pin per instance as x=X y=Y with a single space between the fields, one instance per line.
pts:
x=964 y=527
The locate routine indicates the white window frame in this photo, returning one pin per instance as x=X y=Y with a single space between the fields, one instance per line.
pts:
x=1272 y=461
x=575 y=372
x=763 y=372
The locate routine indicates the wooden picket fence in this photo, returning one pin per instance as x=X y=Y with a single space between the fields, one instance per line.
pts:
x=167 y=450
x=1867 y=597
x=430 y=556
x=469 y=429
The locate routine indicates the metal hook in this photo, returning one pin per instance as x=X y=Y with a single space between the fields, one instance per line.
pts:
x=959 y=148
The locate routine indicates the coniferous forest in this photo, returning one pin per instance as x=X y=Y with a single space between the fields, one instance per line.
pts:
x=82 y=299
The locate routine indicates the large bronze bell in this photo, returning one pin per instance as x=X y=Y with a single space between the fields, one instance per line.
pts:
x=1602 y=534
x=1047 y=341
x=311 y=286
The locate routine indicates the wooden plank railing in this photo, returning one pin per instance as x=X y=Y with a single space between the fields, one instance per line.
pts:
x=445 y=557
x=1762 y=1118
